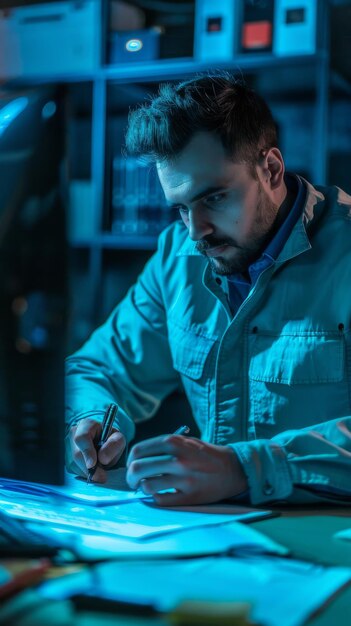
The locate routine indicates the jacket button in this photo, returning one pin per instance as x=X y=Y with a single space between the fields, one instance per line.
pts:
x=255 y=330
x=268 y=489
x=341 y=326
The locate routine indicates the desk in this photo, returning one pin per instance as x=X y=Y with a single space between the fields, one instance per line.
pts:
x=307 y=532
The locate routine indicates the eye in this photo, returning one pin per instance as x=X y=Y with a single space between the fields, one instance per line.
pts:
x=183 y=210
x=214 y=198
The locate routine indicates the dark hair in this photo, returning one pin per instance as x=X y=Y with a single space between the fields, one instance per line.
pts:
x=219 y=103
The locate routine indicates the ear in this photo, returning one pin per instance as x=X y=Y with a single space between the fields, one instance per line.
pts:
x=272 y=168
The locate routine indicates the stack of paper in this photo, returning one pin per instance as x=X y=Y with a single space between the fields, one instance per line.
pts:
x=68 y=515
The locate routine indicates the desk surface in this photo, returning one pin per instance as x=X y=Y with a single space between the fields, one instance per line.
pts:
x=309 y=534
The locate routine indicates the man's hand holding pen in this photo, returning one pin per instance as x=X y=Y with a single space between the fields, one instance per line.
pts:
x=195 y=471
x=92 y=447
x=199 y=472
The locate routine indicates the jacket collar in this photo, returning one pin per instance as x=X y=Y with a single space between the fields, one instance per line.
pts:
x=299 y=241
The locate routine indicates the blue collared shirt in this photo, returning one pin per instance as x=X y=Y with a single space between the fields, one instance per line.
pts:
x=239 y=286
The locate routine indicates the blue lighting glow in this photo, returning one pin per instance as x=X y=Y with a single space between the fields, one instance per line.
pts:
x=134 y=45
x=49 y=109
x=10 y=111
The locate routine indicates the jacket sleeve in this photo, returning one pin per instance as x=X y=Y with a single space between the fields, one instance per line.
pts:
x=300 y=466
x=127 y=360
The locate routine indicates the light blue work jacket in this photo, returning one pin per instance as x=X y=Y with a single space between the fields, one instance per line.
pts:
x=273 y=381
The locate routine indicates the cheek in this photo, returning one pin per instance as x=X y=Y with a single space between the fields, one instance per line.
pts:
x=236 y=220
x=249 y=214
x=237 y=216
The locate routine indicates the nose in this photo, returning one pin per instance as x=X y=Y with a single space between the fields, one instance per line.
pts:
x=198 y=225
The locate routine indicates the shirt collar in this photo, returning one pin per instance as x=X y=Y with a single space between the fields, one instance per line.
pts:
x=275 y=246
x=295 y=184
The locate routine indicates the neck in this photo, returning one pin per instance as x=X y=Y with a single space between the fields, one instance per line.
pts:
x=288 y=199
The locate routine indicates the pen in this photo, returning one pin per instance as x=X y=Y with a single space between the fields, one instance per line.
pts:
x=182 y=430
x=106 y=428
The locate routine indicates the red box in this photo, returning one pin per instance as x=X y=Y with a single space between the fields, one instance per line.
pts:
x=257 y=35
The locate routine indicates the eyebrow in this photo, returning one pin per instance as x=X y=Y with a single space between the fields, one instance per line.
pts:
x=205 y=192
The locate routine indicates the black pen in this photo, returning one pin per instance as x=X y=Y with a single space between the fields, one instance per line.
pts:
x=106 y=428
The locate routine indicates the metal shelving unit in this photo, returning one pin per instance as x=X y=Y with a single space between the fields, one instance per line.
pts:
x=160 y=70
x=321 y=79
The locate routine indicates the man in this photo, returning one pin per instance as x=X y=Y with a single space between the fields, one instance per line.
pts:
x=247 y=301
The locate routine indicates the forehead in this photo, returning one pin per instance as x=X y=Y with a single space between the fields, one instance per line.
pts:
x=202 y=163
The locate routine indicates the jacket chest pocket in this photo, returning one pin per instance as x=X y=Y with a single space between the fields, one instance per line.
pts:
x=297 y=359
x=296 y=381
x=193 y=355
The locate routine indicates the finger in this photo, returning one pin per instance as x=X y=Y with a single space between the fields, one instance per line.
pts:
x=85 y=435
x=164 y=444
x=99 y=476
x=79 y=461
x=150 y=486
x=149 y=467
x=112 y=449
x=74 y=459
x=174 y=499
x=75 y=462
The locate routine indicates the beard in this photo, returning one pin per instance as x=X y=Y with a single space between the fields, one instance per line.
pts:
x=241 y=257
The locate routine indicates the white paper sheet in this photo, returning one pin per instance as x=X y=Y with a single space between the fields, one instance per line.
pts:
x=138 y=519
x=76 y=489
x=281 y=591
x=233 y=537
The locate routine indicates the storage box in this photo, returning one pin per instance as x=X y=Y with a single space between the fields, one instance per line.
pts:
x=216 y=30
x=295 y=27
x=137 y=45
x=257 y=26
x=50 y=39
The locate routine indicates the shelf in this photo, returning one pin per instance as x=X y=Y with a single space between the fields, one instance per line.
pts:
x=156 y=70
x=109 y=241
x=178 y=68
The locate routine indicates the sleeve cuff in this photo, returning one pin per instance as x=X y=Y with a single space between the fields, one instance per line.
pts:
x=266 y=467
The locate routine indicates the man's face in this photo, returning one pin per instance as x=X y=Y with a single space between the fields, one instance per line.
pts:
x=225 y=207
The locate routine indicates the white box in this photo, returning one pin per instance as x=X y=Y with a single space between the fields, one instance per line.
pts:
x=295 y=27
x=220 y=42
x=50 y=39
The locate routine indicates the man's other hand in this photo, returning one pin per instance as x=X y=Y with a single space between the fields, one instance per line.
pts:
x=199 y=472
x=81 y=453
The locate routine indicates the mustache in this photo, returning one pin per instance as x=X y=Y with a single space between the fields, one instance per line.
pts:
x=209 y=242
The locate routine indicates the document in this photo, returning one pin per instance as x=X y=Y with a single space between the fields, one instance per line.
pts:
x=138 y=519
x=230 y=538
x=77 y=489
x=280 y=591
x=137 y=528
